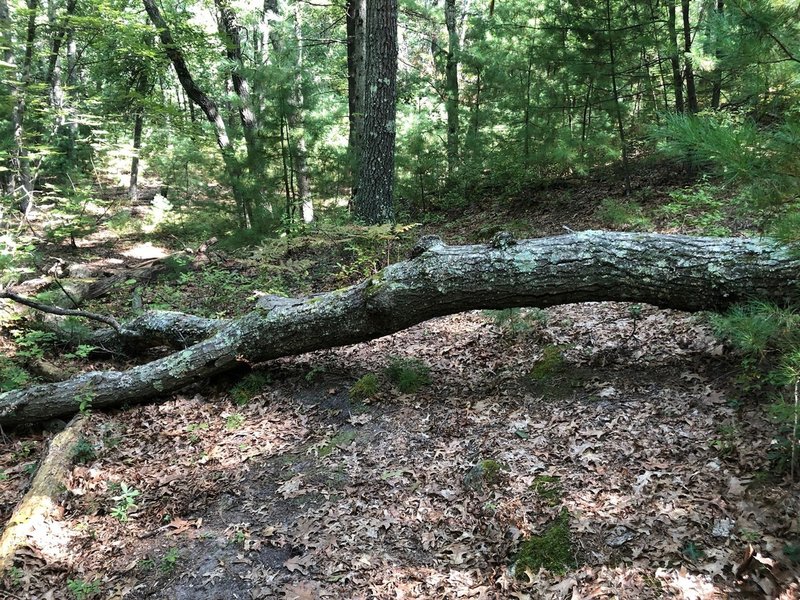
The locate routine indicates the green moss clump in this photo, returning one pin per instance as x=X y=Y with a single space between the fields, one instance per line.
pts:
x=551 y=551
x=249 y=387
x=486 y=472
x=548 y=488
x=408 y=374
x=550 y=363
x=364 y=388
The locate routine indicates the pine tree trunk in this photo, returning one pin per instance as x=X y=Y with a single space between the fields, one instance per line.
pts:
x=9 y=175
x=138 y=125
x=356 y=83
x=373 y=200
x=674 y=59
x=22 y=159
x=681 y=272
x=716 y=76
x=297 y=122
x=691 y=91
x=617 y=107
x=451 y=87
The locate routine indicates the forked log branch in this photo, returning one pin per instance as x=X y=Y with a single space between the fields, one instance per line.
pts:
x=680 y=272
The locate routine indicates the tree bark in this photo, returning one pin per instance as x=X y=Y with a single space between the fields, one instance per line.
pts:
x=373 y=200
x=680 y=272
x=451 y=86
x=40 y=504
x=8 y=175
x=297 y=122
x=356 y=83
x=674 y=60
x=691 y=91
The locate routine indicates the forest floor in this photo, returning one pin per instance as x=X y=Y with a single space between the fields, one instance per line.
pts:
x=624 y=422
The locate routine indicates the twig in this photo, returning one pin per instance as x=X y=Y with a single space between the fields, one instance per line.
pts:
x=56 y=310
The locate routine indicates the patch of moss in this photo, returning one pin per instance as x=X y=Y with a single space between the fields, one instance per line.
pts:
x=486 y=472
x=551 y=551
x=249 y=387
x=343 y=438
x=408 y=374
x=548 y=488
x=364 y=388
x=549 y=364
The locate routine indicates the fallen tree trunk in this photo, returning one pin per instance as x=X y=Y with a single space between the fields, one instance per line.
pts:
x=680 y=272
x=40 y=504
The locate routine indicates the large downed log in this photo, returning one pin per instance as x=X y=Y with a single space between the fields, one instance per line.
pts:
x=680 y=272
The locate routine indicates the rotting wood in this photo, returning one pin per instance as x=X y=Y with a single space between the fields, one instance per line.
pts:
x=40 y=504
x=669 y=271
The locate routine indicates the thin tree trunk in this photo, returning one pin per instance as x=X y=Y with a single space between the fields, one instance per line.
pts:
x=451 y=87
x=680 y=272
x=526 y=132
x=208 y=106
x=716 y=76
x=22 y=160
x=297 y=122
x=691 y=92
x=674 y=59
x=233 y=50
x=617 y=106
x=356 y=84
x=374 y=198
x=133 y=187
x=9 y=175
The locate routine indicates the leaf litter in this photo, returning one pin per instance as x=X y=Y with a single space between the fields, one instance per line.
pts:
x=303 y=492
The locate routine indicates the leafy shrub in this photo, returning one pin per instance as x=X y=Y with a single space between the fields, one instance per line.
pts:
x=83 y=590
x=697 y=209
x=408 y=374
x=12 y=376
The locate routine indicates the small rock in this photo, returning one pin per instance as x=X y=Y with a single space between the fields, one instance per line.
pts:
x=619 y=535
x=723 y=528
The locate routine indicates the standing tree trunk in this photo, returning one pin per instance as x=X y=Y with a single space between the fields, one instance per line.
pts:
x=296 y=119
x=451 y=87
x=22 y=159
x=691 y=92
x=373 y=200
x=232 y=167
x=615 y=92
x=138 y=124
x=9 y=176
x=716 y=76
x=674 y=59
x=233 y=51
x=356 y=84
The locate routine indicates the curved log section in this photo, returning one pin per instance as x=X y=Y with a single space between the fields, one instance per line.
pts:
x=681 y=272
